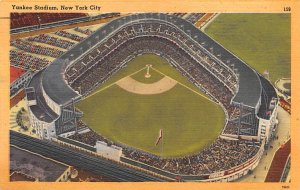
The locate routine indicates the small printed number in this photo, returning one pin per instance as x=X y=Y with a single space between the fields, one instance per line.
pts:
x=285 y=187
x=287 y=9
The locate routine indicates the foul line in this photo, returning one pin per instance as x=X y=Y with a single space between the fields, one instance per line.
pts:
x=158 y=72
x=113 y=83
x=186 y=86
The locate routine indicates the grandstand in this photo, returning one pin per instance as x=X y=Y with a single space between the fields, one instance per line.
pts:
x=28 y=166
x=248 y=100
x=19 y=20
x=27 y=22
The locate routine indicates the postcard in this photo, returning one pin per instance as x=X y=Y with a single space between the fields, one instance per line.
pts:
x=162 y=95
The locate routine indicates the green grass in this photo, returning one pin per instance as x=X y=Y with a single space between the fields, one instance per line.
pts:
x=135 y=119
x=190 y=121
x=140 y=76
x=261 y=40
x=140 y=62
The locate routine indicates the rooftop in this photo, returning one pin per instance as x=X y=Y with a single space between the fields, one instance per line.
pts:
x=35 y=165
x=15 y=73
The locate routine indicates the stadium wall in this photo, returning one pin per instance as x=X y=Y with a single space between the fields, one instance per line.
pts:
x=43 y=129
x=268 y=126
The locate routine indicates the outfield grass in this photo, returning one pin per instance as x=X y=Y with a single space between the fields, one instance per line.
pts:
x=135 y=119
x=190 y=121
x=261 y=40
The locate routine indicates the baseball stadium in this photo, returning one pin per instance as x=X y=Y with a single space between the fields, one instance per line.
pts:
x=153 y=92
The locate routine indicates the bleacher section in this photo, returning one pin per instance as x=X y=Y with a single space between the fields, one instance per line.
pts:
x=279 y=162
x=19 y=20
x=26 y=61
x=20 y=24
x=36 y=49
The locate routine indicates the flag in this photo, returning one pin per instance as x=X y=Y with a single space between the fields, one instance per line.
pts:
x=160 y=135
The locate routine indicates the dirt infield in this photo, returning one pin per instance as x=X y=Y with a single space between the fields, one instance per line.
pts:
x=133 y=86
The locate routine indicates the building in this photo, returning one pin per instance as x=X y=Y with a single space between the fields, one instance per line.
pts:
x=29 y=166
x=18 y=79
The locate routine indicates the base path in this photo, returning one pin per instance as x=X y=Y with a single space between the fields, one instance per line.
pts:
x=131 y=85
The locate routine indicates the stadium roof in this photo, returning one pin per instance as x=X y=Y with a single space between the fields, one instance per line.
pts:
x=60 y=92
x=15 y=73
x=41 y=110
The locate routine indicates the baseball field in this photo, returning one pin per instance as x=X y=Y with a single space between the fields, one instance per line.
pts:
x=262 y=40
x=131 y=108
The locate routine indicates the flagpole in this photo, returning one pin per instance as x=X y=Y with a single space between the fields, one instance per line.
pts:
x=162 y=145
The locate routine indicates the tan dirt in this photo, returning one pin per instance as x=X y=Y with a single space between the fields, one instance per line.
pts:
x=133 y=86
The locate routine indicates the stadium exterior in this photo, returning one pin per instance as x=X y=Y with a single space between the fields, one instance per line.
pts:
x=51 y=99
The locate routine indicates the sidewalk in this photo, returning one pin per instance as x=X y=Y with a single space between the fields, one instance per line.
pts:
x=283 y=132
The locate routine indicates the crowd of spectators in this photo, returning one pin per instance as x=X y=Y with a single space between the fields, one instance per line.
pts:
x=216 y=80
x=219 y=156
x=194 y=17
x=69 y=35
x=84 y=31
x=90 y=137
x=27 y=61
x=222 y=73
x=36 y=49
x=179 y=14
x=53 y=41
x=209 y=75
x=30 y=19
